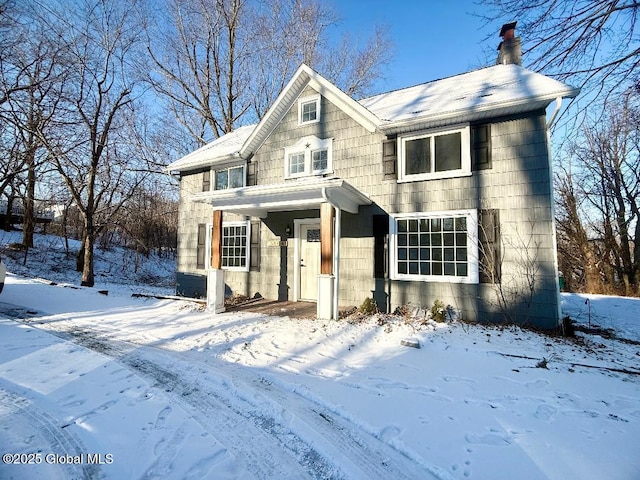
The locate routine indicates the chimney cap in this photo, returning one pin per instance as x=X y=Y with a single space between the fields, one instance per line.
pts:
x=506 y=27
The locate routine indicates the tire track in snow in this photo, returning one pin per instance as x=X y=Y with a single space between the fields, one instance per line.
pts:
x=319 y=443
x=250 y=443
x=20 y=414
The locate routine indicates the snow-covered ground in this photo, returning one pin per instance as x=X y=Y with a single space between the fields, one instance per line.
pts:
x=110 y=386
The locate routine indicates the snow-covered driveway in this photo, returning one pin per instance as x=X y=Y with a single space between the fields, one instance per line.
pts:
x=191 y=417
x=134 y=388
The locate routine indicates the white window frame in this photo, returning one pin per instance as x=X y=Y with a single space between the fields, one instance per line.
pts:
x=215 y=170
x=472 y=247
x=306 y=100
x=465 y=154
x=247 y=246
x=308 y=145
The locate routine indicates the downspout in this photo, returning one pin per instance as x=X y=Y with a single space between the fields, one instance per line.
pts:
x=336 y=261
x=554 y=114
x=336 y=251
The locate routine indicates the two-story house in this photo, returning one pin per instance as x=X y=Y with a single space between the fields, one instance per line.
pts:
x=440 y=191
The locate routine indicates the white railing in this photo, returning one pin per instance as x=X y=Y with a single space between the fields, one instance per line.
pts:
x=18 y=210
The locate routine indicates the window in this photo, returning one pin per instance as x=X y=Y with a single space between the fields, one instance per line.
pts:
x=296 y=163
x=435 y=247
x=232 y=177
x=206 y=180
x=309 y=110
x=309 y=156
x=319 y=160
x=201 y=246
x=235 y=246
x=436 y=154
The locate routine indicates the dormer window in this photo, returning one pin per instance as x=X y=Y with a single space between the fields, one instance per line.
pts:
x=309 y=156
x=309 y=110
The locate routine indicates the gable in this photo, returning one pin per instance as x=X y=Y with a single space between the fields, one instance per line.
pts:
x=303 y=79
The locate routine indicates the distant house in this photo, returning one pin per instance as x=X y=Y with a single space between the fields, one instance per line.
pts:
x=440 y=191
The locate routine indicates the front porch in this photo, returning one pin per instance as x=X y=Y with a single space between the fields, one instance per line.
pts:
x=275 y=308
x=309 y=260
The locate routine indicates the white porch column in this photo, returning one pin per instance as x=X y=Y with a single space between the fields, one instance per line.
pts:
x=215 y=290
x=215 y=275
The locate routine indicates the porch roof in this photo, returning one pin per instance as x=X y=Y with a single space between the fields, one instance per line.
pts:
x=302 y=194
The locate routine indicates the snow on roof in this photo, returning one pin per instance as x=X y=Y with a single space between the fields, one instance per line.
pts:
x=496 y=90
x=220 y=149
x=482 y=89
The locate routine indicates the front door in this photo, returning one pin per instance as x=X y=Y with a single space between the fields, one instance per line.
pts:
x=309 y=261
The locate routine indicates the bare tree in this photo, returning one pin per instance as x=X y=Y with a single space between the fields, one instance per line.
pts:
x=222 y=63
x=591 y=43
x=89 y=150
x=608 y=194
x=576 y=253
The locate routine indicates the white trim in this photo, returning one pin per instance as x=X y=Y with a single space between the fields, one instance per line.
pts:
x=247 y=247
x=307 y=145
x=317 y=99
x=465 y=154
x=297 y=249
x=472 y=247
x=302 y=194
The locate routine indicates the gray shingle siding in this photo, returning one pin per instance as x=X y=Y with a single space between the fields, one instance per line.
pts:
x=518 y=184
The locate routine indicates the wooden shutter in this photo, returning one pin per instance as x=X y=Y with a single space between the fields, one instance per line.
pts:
x=490 y=252
x=390 y=159
x=481 y=147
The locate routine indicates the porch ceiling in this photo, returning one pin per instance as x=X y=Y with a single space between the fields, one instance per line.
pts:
x=300 y=194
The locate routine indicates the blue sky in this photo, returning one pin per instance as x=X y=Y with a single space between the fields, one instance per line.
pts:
x=433 y=38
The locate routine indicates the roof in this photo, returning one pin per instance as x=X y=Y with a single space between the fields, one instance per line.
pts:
x=480 y=94
x=223 y=148
x=496 y=90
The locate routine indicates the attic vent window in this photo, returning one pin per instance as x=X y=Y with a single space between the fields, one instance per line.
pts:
x=309 y=110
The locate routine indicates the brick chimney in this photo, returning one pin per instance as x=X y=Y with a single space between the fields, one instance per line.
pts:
x=509 y=51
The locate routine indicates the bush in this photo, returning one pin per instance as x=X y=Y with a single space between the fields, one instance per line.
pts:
x=438 y=311
x=368 y=307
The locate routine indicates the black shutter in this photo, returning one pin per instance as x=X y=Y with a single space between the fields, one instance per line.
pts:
x=206 y=180
x=251 y=174
x=380 y=238
x=201 y=246
x=255 y=247
x=481 y=147
x=490 y=252
x=390 y=159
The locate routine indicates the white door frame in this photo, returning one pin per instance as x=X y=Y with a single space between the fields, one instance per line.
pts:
x=297 y=223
